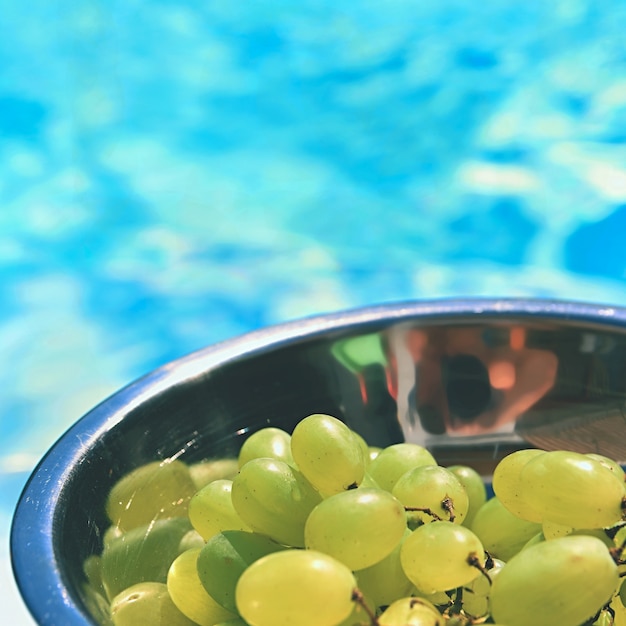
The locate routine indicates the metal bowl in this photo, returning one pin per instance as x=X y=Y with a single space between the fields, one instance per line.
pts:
x=470 y=379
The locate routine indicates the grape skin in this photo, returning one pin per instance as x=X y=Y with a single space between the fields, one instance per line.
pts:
x=302 y=587
x=562 y=581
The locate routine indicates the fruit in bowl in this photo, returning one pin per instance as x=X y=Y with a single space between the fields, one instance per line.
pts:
x=303 y=533
x=147 y=498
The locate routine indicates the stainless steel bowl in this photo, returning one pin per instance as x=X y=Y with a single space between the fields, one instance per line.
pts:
x=470 y=379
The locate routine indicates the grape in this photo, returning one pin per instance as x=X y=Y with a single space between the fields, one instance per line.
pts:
x=441 y=556
x=361 y=613
x=225 y=557
x=605 y=618
x=274 y=499
x=506 y=484
x=153 y=491
x=572 y=489
x=146 y=604
x=610 y=464
x=617 y=607
x=439 y=598
x=211 y=510
x=475 y=598
x=233 y=622
x=191 y=539
x=206 y=472
x=373 y=452
x=411 y=612
x=97 y=605
x=142 y=554
x=328 y=454
x=474 y=487
x=564 y=581
x=365 y=449
x=368 y=482
x=302 y=587
x=554 y=531
x=397 y=459
x=622 y=592
x=270 y=442
x=92 y=568
x=502 y=533
x=385 y=581
x=188 y=594
x=111 y=534
x=434 y=488
x=358 y=527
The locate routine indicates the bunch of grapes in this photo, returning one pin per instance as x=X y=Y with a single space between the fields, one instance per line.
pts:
x=318 y=528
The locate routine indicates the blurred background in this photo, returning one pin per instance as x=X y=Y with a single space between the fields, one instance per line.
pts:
x=173 y=174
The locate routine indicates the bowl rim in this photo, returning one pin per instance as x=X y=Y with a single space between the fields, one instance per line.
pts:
x=34 y=561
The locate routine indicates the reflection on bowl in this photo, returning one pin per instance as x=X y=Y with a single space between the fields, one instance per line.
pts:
x=472 y=380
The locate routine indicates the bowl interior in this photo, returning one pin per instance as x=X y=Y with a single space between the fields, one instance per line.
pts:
x=471 y=386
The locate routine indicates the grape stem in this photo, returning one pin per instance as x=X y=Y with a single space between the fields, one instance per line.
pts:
x=474 y=561
x=357 y=597
x=421 y=509
x=448 y=506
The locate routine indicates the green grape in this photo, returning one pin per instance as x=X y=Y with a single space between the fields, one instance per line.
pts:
x=358 y=527
x=270 y=442
x=142 y=554
x=97 y=605
x=475 y=598
x=274 y=499
x=502 y=533
x=206 y=472
x=372 y=453
x=411 y=612
x=605 y=618
x=211 y=510
x=610 y=464
x=225 y=557
x=507 y=486
x=397 y=459
x=111 y=534
x=368 y=482
x=564 y=581
x=538 y=538
x=622 y=592
x=146 y=604
x=153 y=491
x=191 y=539
x=233 y=622
x=361 y=613
x=433 y=488
x=365 y=449
x=385 y=581
x=188 y=594
x=475 y=488
x=441 y=556
x=92 y=568
x=554 y=531
x=328 y=454
x=302 y=587
x=618 y=608
x=572 y=489
x=439 y=598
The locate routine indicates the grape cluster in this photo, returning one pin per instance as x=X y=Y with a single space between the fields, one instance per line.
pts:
x=318 y=528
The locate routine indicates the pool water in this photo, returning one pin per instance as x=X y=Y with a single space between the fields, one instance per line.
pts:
x=175 y=174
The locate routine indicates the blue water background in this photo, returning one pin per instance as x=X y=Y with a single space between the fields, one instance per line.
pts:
x=176 y=173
